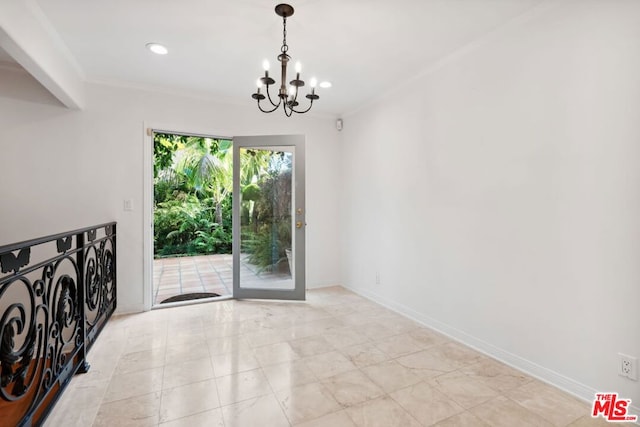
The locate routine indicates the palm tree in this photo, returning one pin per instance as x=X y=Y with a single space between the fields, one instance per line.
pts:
x=206 y=165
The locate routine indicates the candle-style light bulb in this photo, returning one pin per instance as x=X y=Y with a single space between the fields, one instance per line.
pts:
x=298 y=67
x=258 y=83
x=292 y=92
x=266 y=65
x=313 y=82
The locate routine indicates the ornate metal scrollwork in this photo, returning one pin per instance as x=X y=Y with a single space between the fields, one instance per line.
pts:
x=99 y=282
x=15 y=358
x=45 y=313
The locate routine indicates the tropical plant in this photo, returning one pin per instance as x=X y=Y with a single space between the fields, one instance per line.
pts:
x=192 y=192
x=269 y=235
x=206 y=167
x=193 y=186
x=267 y=248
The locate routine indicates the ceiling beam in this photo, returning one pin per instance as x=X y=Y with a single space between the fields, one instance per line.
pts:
x=27 y=36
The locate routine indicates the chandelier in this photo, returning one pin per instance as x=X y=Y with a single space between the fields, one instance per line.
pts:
x=288 y=97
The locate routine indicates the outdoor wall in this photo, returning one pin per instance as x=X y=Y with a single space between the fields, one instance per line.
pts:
x=63 y=169
x=498 y=195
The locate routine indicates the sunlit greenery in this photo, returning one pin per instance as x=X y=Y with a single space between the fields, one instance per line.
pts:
x=267 y=235
x=193 y=199
x=193 y=182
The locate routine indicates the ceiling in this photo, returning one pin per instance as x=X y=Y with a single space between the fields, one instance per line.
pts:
x=216 y=48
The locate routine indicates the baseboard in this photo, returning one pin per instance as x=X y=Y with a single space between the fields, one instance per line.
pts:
x=131 y=309
x=321 y=285
x=575 y=388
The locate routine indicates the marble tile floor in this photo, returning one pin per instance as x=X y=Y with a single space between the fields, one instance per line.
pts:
x=335 y=360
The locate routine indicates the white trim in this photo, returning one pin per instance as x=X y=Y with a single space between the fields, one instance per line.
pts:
x=319 y=285
x=55 y=37
x=129 y=309
x=147 y=200
x=579 y=390
x=27 y=36
x=147 y=218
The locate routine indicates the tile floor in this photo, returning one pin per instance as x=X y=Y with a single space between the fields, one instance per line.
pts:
x=210 y=273
x=335 y=360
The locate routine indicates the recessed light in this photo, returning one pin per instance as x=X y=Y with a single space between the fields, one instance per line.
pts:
x=325 y=85
x=157 y=48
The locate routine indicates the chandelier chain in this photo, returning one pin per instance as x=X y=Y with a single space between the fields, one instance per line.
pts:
x=284 y=47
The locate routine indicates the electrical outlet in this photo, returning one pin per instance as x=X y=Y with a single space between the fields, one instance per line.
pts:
x=628 y=366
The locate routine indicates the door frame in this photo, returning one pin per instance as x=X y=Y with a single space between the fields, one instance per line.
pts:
x=147 y=206
x=148 y=130
x=298 y=234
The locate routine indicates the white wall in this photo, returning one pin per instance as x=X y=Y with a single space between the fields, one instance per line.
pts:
x=63 y=169
x=498 y=195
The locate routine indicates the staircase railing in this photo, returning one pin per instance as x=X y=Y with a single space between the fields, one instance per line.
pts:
x=56 y=294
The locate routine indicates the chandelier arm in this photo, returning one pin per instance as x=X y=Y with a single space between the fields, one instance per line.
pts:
x=290 y=113
x=268 y=111
x=270 y=100
x=302 y=112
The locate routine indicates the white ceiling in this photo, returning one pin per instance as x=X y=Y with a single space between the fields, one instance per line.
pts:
x=216 y=47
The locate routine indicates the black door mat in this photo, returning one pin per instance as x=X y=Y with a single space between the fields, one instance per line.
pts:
x=188 y=297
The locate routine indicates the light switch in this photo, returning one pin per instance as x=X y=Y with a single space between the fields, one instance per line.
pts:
x=128 y=204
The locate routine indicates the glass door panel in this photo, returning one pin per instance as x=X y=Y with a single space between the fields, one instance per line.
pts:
x=268 y=217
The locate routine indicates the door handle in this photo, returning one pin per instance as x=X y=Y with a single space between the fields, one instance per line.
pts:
x=298 y=224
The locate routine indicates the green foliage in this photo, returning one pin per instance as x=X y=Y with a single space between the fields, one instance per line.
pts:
x=163 y=148
x=254 y=165
x=266 y=248
x=216 y=241
x=186 y=226
x=169 y=186
x=268 y=235
x=274 y=201
x=193 y=185
x=250 y=192
x=192 y=190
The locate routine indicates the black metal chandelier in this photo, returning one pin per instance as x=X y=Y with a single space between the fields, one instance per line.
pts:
x=288 y=97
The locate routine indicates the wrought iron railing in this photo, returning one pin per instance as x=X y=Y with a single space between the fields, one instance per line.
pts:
x=56 y=294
